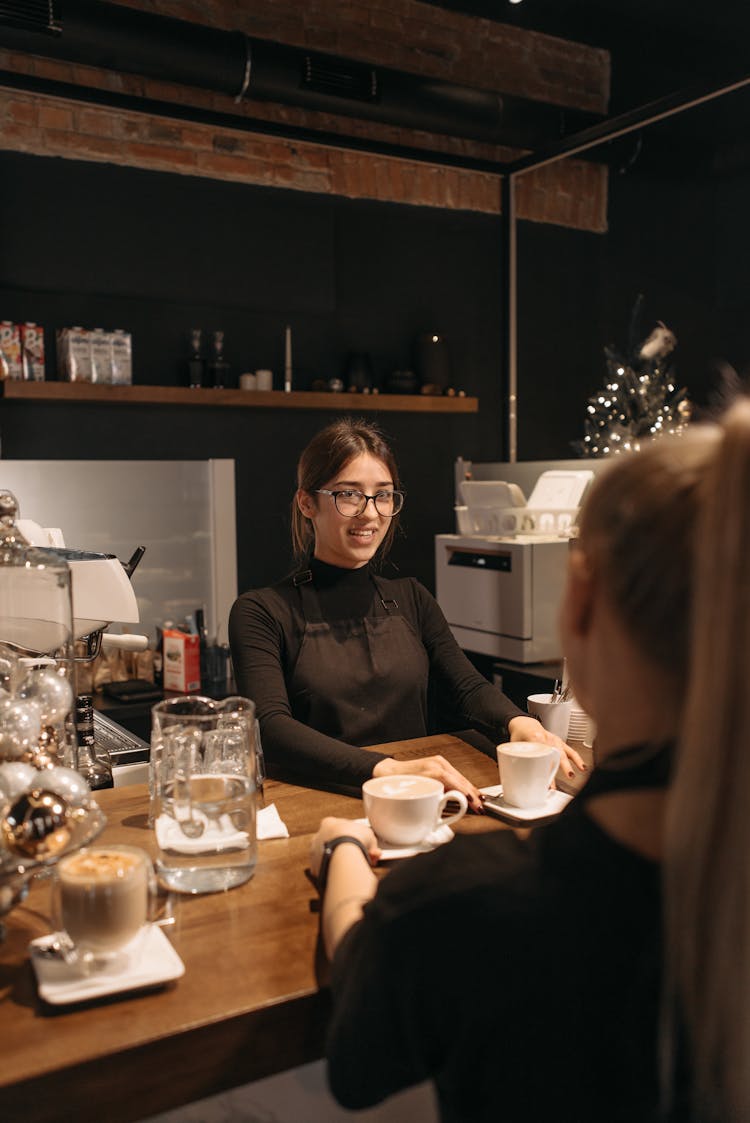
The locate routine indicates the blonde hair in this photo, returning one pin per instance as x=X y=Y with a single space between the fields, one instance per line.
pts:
x=671 y=530
x=322 y=460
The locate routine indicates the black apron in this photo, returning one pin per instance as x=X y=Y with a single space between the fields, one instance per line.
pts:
x=363 y=681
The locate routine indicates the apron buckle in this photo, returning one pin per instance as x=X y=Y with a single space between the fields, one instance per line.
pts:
x=302 y=578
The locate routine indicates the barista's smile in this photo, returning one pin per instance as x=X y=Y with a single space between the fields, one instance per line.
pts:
x=349 y=542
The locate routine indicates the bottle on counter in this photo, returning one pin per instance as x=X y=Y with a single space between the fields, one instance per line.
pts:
x=196 y=367
x=96 y=770
x=218 y=367
x=200 y=622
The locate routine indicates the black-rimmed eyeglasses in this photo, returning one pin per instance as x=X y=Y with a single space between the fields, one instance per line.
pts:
x=351 y=503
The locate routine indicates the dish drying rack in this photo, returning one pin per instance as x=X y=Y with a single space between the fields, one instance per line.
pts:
x=496 y=508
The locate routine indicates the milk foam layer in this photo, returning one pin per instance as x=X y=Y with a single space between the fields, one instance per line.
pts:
x=527 y=750
x=100 y=865
x=405 y=787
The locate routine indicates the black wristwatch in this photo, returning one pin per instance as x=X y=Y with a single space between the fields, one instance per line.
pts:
x=328 y=849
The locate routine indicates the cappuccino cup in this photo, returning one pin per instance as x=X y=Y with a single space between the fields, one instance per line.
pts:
x=101 y=902
x=404 y=809
x=526 y=772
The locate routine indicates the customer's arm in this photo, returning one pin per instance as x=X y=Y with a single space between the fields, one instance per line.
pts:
x=350 y=882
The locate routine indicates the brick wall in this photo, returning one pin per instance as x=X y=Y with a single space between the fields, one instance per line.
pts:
x=399 y=33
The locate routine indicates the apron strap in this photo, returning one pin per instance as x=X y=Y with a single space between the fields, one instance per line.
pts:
x=311 y=605
x=390 y=604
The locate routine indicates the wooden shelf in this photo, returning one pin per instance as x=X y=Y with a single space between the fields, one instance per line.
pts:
x=251 y=399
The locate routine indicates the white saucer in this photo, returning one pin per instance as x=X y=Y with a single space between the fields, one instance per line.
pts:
x=150 y=960
x=438 y=837
x=555 y=802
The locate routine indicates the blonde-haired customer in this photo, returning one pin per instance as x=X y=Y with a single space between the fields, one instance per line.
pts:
x=601 y=970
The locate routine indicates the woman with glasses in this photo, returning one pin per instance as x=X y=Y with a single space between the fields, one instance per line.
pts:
x=337 y=657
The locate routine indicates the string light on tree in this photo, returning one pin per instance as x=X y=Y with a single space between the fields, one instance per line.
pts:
x=640 y=400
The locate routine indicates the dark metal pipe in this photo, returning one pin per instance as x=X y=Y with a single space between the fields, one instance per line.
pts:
x=134 y=42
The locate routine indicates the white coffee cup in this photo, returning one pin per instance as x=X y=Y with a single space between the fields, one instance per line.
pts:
x=526 y=772
x=101 y=902
x=554 y=716
x=404 y=809
x=264 y=379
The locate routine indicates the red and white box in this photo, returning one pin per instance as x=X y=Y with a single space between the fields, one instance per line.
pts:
x=32 y=346
x=182 y=661
x=11 y=365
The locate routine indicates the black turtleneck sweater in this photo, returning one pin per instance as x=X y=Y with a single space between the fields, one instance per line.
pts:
x=266 y=627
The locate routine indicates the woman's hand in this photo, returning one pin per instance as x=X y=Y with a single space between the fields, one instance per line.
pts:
x=529 y=729
x=351 y=884
x=437 y=768
x=330 y=828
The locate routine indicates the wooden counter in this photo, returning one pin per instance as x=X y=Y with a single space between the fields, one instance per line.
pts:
x=253 y=999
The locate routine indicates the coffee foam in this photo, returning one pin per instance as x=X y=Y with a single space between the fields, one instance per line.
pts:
x=100 y=865
x=528 y=750
x=405 y=787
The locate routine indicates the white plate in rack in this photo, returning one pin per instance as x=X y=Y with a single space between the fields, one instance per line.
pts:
x=150 y=960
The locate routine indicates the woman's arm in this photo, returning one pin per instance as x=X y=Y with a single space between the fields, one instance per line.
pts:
x=350 y=882
x=481 y=704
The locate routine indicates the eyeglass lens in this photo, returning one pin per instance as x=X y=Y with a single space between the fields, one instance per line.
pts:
x=352 y=503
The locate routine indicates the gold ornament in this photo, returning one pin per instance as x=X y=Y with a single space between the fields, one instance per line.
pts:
x=37 y=825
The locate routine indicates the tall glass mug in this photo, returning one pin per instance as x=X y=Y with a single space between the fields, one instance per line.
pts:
x=203 y=784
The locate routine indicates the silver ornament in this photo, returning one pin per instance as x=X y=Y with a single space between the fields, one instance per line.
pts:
x=68 y=783
x=52 y=693
x=20 y=726
x=15 y=778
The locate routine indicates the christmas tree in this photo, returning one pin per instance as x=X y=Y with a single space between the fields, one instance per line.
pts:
x=640 y=400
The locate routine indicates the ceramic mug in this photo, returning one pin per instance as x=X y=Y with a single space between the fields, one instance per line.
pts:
x=404 y=809
x=526 y=772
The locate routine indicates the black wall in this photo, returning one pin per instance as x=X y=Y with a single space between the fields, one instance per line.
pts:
x=157 y=254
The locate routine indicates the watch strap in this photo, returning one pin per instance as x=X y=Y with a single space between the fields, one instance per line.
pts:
x=328 y=850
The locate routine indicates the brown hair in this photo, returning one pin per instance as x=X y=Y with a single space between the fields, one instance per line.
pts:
x=669 y=529
x=323 y=459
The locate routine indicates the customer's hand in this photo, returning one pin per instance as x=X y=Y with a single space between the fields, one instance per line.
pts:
x=330 y=828
x=529 y=729
x=438 y=768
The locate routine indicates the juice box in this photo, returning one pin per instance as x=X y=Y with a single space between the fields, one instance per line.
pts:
x=32 y=347
x=11 y=365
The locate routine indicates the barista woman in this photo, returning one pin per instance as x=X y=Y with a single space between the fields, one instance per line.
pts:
x=337 y=657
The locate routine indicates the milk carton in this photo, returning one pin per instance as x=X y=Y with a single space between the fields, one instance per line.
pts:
x=101 y=355
x=74 y=354
x=122 y=358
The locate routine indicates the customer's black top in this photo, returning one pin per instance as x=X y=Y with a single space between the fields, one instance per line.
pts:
x=522 y=977
x=342 y=660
